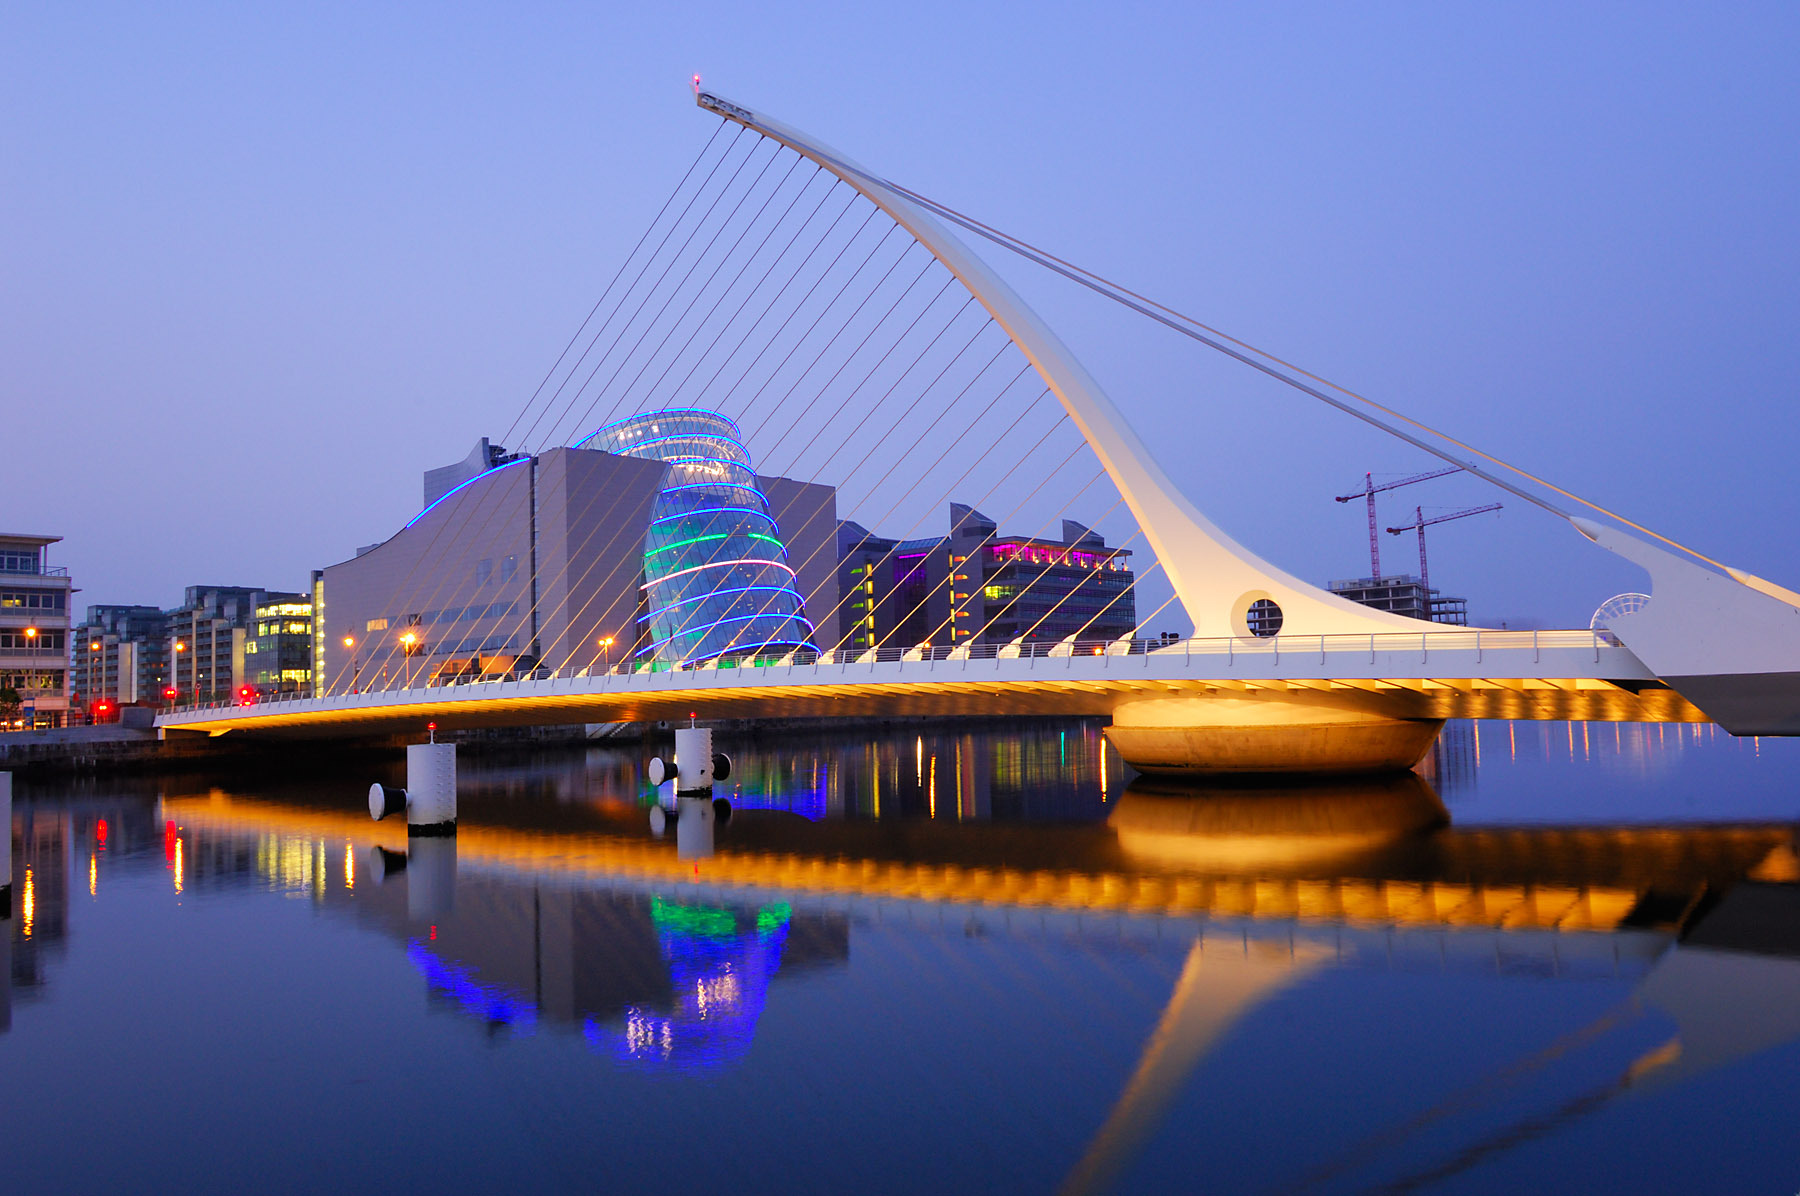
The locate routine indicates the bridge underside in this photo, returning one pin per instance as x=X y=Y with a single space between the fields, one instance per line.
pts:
x=1555 y=699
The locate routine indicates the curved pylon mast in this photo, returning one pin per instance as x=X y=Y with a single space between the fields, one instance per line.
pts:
x=1215 y=578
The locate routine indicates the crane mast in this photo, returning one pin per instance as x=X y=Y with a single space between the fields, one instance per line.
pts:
x=1368 y=493
x=1420 y=523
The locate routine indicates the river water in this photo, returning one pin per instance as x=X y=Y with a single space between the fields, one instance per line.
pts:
x=1558 y=958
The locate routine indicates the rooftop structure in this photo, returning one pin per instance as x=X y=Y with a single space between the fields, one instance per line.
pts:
x=1403 y=594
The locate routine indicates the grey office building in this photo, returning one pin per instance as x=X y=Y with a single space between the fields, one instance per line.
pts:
x=520 y=562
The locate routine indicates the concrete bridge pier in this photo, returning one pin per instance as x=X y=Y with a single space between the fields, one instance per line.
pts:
x=1202 y=736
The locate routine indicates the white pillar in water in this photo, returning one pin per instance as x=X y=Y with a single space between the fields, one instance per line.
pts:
x=431 y=789
x=429 y=798
x=693 y=759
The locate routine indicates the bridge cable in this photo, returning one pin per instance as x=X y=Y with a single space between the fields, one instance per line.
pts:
x=620 y=273
x=1272 y=366
x=612 y=573
x=913 y=406
x=694 y=304
x=894 y=307
x=427 y=552
x=489 y=498
x=619 y=564
x=626 y=294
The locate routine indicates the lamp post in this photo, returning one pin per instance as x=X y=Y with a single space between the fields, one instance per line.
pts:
x=179 y=649
x=355 y=665
x=606 y=644
x=409 y=644
x=96 y=677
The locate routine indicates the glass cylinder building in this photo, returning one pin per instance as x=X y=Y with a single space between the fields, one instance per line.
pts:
x=716 y=576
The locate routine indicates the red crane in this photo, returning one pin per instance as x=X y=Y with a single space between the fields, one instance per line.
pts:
x=1420 y=523
x=1369 y=491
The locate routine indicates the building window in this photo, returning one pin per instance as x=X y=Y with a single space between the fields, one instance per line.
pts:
x=484 y=569
x=375 y=625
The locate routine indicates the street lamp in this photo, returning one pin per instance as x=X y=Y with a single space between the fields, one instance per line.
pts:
x=355 y=665
x=96 y=677
x=409 y=644
x=606 y=646
x=179 y=649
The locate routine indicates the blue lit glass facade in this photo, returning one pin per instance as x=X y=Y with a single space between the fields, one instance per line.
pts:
x=716 y=573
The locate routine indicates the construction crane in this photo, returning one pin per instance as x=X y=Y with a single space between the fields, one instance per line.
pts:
x=1420 y=523
x=1369 y=491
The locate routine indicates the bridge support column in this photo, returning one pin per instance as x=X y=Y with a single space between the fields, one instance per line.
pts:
x=1200 y=736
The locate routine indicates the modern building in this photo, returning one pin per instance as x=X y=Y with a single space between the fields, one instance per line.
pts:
x=979 y=586
x=278 y=652
x=34 y=632
x=717 y=578
x=207 y=637
x=1403 y=594
x=651 y=542
x=120 y=655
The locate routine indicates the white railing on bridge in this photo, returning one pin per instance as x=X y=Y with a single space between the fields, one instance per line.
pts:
x=1251 y=650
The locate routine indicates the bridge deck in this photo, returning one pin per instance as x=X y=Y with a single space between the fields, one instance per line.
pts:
x=1526 y=675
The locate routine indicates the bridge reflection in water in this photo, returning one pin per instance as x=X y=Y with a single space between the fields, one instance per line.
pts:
x=666 y=963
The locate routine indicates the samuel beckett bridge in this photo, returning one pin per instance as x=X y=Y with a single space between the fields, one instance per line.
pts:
x=798 y=350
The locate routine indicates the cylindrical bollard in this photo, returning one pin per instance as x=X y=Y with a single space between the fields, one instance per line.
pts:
x=430 y=877
x=431 y=789
x=693 y=760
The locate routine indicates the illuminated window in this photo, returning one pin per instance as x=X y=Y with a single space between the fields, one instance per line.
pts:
x=375 y=625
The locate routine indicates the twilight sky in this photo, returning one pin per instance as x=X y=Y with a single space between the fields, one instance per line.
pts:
x=262 y=265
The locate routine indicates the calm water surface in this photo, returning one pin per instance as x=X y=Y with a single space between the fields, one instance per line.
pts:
x=1560 y=958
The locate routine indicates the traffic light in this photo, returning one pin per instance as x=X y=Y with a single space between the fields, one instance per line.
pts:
x=169 y=693
x=246 y=695
x=102 y=708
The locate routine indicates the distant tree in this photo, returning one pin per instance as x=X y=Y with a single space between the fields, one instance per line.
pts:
x=10 y=705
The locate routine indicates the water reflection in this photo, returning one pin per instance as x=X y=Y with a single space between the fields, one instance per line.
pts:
x=720 y=963
x=1280 y=827
x=1322 y=988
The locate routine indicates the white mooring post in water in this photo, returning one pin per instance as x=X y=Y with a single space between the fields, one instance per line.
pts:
x=696 y=767
x=429 y=798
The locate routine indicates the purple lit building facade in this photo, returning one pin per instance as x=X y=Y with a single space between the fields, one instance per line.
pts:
x=977 y=586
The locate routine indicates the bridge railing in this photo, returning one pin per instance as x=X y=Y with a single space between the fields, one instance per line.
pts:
x=1414 y=650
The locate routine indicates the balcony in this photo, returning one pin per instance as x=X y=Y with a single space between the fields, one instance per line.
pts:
x=35 y=571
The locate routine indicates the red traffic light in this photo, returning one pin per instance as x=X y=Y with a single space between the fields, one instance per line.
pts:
x=169 y=693
x=246 y=694
x=103 y=708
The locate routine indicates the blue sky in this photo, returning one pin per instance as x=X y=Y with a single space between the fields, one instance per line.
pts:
x=265 y=264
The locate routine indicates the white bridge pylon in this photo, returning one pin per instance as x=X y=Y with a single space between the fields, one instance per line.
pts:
x=1215 y=578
